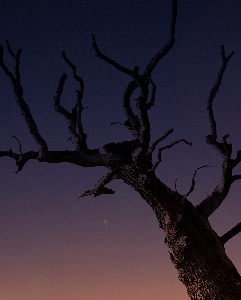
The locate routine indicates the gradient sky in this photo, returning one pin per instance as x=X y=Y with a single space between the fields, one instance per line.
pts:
x=56 y=246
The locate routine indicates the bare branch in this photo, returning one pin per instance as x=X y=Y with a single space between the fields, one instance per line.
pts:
x=132 y=122
x=166 y=147
x=100 y=187
x=73 y=67
x=10 y=154
x=20 y=146
x=21 y=158
x=193 y=181
x=236 y=177
x=153 y=94
x=74 y=118
x=237 y=160
x=144 y=131
x=90 y=158
x=3 y=66
x=17 y=61
x=109 y=60
x=231 y=233
x=18 y=91
x=139 y=124
x=17 y=64
x=154 y=61
x=9 y=49
x=174 y=143
x=60 y=89
x=98 y=192
x=57 y=105
x=214 y=91
x=153 y=147
x=212 y=202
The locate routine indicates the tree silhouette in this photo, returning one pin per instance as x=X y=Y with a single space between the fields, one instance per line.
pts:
x=196 y=251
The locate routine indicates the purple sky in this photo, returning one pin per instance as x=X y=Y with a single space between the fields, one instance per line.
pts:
x=56 y=246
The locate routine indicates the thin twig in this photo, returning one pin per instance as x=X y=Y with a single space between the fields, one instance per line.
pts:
x=20 y=146
x=193 y=181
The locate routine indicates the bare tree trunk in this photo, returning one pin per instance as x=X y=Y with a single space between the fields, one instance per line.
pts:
x=196 y=250
x=199 y=256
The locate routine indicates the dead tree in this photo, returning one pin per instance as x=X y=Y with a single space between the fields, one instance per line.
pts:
x=196 y=250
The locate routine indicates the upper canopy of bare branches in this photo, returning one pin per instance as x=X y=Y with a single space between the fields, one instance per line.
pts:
x=136 y=153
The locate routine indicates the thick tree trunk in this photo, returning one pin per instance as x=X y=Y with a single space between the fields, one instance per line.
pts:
x=195 y=249
x=200 y=258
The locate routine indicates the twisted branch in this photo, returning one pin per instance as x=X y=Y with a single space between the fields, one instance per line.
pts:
x=212 y=202
x=193 y=181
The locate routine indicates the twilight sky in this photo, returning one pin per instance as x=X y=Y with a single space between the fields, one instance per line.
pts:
x=56 y=246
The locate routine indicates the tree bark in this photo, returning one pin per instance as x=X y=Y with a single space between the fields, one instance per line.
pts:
x=196 y=251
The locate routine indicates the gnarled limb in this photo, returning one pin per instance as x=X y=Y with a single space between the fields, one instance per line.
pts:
x=18 y=92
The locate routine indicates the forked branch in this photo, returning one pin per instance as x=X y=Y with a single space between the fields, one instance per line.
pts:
x=153 y=147
x=212 y=139
x=166 y=147
x=212 y=202
x=138 y=123
x=74 y=118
